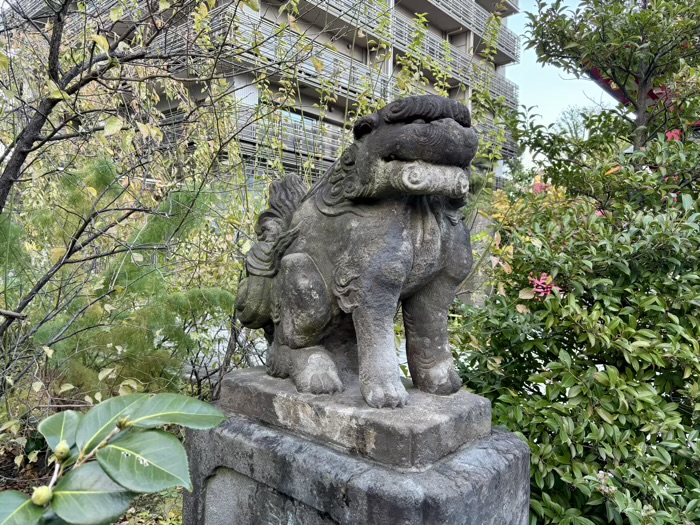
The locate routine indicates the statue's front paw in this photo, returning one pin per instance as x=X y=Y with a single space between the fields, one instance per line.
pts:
x=387 y=393
x=318 y=375
x=441 y=379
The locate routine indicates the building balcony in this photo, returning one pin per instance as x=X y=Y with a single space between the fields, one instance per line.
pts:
x=446 y=55
x=487 y=129
x=467 y=13
x=508 y=43
x=498 y=86
x=509 y=7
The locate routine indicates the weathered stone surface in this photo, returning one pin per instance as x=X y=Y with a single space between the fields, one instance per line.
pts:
x=383 y=226
x=428 y=428
x=245 y=473
x=233 y=499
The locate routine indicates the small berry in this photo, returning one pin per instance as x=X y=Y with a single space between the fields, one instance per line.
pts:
x=42 y=496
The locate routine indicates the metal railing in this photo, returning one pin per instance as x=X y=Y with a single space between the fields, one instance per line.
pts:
x=307 y=137
x=498 y=86
x=508 y=42
x=452 y=59
x=509 y=147
x=269 y=46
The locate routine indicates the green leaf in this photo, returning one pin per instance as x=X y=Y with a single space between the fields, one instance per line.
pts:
x=176 y=409
x=163 y=5
x=148 y=461
x=17 y=509
x=687 y=201
x=86 y=496
x=102 y=419
x=59 y=427
x=113 y=125
x=116 y=13
x=4 y=61
x=253 y=4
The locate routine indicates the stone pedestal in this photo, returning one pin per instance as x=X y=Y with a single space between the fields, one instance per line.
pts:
x=297 y=459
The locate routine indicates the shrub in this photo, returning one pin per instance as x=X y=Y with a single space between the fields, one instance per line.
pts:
x=589 y=345
x=105 y=457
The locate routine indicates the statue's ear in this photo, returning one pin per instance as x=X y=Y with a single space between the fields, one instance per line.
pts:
x=365 y=125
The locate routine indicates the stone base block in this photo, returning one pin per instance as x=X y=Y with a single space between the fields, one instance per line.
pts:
x=427 y=429
x=247 y=473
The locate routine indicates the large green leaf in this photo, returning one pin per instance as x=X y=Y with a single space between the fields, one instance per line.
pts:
x=17 y=509
x=87 y=496
x=59 y=427
x=165 y=409
x=146 y=461
x=102 y=419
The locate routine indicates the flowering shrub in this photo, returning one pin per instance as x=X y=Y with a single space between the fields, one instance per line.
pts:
x=589 y=348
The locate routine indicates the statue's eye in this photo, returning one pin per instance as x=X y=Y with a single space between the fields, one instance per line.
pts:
x=365 y=126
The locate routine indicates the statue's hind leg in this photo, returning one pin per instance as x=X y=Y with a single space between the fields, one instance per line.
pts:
x=425 y=319
x=303 y=310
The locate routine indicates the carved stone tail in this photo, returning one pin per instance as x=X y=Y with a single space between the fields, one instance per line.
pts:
x=254 y=301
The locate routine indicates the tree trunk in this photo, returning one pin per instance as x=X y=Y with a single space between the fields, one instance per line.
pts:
x=641 y=132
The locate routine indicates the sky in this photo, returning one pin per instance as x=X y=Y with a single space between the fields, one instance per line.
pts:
x=549 y=88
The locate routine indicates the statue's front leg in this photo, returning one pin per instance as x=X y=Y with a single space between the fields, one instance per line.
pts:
x=430 y=359
x=380 y=381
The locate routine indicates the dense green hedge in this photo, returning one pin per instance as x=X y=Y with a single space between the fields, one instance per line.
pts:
x=589 y=345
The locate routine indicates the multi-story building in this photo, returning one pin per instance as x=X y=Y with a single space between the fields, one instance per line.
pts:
x=336 y=45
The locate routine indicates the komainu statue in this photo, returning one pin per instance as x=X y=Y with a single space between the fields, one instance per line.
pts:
x=383 y=226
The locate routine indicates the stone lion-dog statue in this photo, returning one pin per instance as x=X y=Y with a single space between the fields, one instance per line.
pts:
x=383 y=226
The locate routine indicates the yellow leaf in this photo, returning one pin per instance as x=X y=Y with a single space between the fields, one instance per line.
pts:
x=19 y=460
x=104 y=373
x=101 y=42
x=128 y=386
x=48 y=351
x=507 y=268
x=37 y=385
x=501 y=289
x=65 y=387
x=163 y=5
x=4 y=61
x=92 y=191
x=113 y=125
x=109 y=308
x=521 y=308
x=144 y=129
x=526 y=293
x=137 y=257
x=56 y=93
x=57 y=254
x=318 y=64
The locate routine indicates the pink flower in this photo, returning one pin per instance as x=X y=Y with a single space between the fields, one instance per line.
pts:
x=539 y=187
x=674 y=134
x=543 y=285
